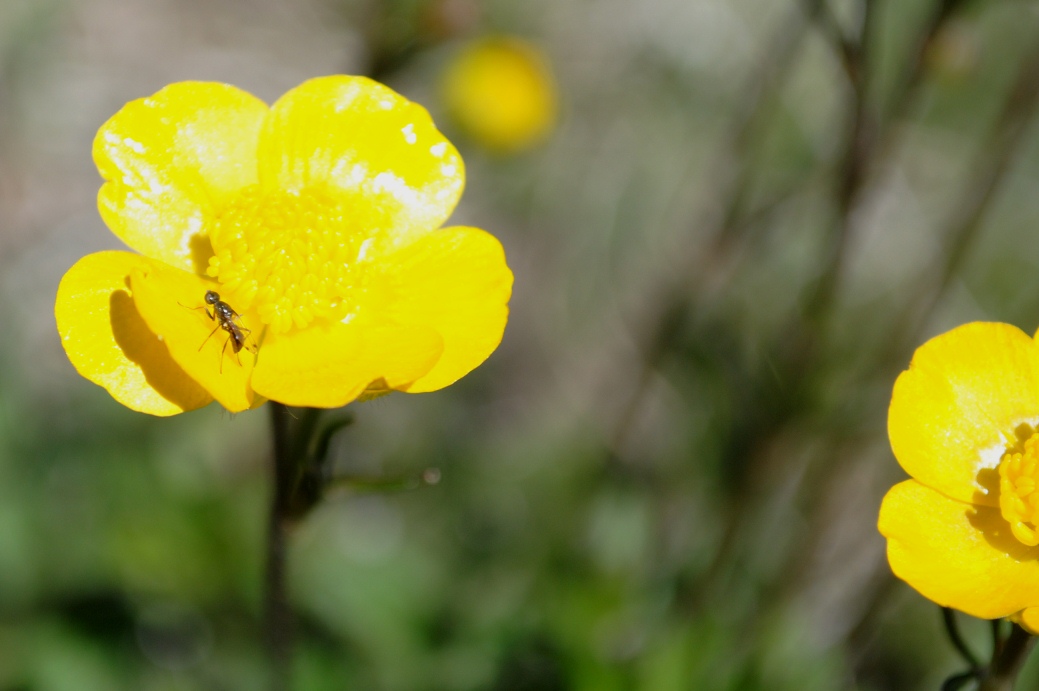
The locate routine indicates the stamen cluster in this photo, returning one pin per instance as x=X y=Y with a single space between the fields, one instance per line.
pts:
x=289 y=257
x=1018 y=499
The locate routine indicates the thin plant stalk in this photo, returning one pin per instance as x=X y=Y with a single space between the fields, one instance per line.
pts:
x=1008 y=657
x=277 y=614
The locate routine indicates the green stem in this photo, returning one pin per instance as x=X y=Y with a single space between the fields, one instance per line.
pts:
x=953 y=631
x=1008 y=657
x=277 y=615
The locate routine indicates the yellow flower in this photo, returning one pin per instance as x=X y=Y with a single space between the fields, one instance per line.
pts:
x=316 y=220
x=500 y=91
x=964 y=423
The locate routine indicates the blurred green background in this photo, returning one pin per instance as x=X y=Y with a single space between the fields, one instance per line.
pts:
x=748 y=216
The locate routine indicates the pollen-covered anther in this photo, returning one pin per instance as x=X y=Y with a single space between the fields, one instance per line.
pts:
x=1018 y=499
x=288 y=257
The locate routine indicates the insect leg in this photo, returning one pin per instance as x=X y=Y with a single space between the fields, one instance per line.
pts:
x=222 y=351
x=209 y=337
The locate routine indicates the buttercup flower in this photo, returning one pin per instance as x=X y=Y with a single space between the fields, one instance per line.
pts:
x=964 y=423
x=316 y=220
x=500 y=91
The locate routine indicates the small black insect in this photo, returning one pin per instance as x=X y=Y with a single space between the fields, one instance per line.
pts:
x=228 y=320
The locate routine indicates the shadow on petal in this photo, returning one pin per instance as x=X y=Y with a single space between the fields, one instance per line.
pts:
x=989 y=479
x=996 y=531
x=201 y=252
x=144 y=348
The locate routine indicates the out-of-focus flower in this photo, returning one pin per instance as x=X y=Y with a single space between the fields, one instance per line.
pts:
x=964 y=423
x=500 y=91
x=316 y=220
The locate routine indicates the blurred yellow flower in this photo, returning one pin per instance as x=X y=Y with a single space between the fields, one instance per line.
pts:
x=964 y=423
x=500 y=91
x=315 y=220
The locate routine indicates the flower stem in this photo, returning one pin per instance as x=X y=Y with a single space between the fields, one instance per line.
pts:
x=1008 y=657
x=953 y=631
x=277 y=615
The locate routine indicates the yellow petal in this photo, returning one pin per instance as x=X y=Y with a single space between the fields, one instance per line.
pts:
x=956 y=554
x=109 y=343
x=456 y=282
x=330 y=365
x=375 y=149
x=172 y=302
x=1029 y=619
x=171 y=159
x=957 y=406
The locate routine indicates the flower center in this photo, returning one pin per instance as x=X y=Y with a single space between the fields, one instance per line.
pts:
x=1018 y=481
x=289 y=257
